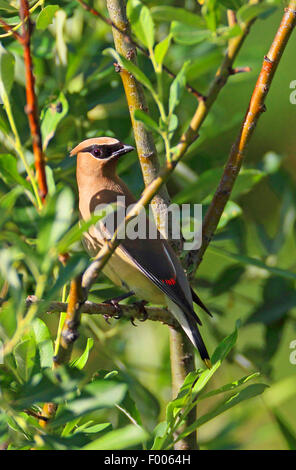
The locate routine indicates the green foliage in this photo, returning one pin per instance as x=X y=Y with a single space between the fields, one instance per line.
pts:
x=115 y=393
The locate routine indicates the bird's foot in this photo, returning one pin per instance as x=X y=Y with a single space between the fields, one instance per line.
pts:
x=115 y=304
x=132 y=320
x=142 y=309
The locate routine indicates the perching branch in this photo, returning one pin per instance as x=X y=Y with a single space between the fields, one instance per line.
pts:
x=128 y=38
x=127 y=312
x=72 y=321
x=238 y=151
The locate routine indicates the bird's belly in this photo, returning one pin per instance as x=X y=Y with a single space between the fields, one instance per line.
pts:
x=127 y=275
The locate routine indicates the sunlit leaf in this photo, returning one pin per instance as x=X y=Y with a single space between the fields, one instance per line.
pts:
x=119 y=439
x=46 y=15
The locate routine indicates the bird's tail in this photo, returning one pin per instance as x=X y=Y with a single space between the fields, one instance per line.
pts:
x=190 y=327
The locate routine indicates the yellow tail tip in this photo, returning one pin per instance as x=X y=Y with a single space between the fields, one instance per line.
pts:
x=208 y=363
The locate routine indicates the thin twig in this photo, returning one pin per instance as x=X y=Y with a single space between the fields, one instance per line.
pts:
x=32 y=105
x=131 y=40
x=9 y=29
x=255 y=109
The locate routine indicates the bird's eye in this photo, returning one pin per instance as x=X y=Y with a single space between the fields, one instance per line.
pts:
x=96 y=152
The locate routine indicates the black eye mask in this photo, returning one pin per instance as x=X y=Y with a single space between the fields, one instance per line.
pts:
x=103 y=151
x=106 y=151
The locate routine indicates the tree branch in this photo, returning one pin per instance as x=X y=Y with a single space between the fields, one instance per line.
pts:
x=238 y=151
x=128 y=37
x=136 y=100
x=128 y=312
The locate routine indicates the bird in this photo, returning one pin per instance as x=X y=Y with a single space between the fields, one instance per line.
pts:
x=147 y=268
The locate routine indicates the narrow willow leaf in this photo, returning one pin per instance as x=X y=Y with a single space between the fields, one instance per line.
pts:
x=248 y=12
x=6 y=71
x=9 y=172
x=249 y=392
x=81 y=361
x=287 y=431
x=131 y=68
x=24 y=354
x=119 y=439
x=231 y=210
x=170 y=13
x=146 y=120
x=246 y=260
x=188 y=35
x=230 y=386
x=43 y=342
x=161 y=49
x=177 y=88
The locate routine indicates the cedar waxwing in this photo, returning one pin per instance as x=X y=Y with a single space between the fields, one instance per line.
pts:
x=148 y=268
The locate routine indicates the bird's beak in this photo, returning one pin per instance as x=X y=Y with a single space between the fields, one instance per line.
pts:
x=125 y=149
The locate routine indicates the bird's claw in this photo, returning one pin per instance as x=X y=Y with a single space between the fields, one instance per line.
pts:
x=142 y=310
x=132 y=320
x=106 y=317
x=117 y=307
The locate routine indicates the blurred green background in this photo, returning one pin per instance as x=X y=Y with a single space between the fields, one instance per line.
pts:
x=71 y=68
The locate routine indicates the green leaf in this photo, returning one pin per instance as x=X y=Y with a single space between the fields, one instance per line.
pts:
x=249 y=392
x=75 y=265
x=225 y=346
x=202 y=190
x=161 y=49
x=189 y=35
x=6 y=71
x=246 y=180
x=96 y=395
x=95 y=429
x=286 y=430
x=24 y=354
x=177 y=88
x=232 y=4
x=43 y=342
x=81 y=361
x=248 y=12
x=230 y=386
x=56 y=220
x=45 y=17
x=51 y=117
x=229 y=277
x=9 y=172
x=146 y=120
x=4 y=5
x=119 y=439
x=74 y=234
x=253 y=262
x=141 y=22
x=231 y=211
x=8 y=272
x=130 y=67
x=49 y=386
x=279 y=297
x=168 y=13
